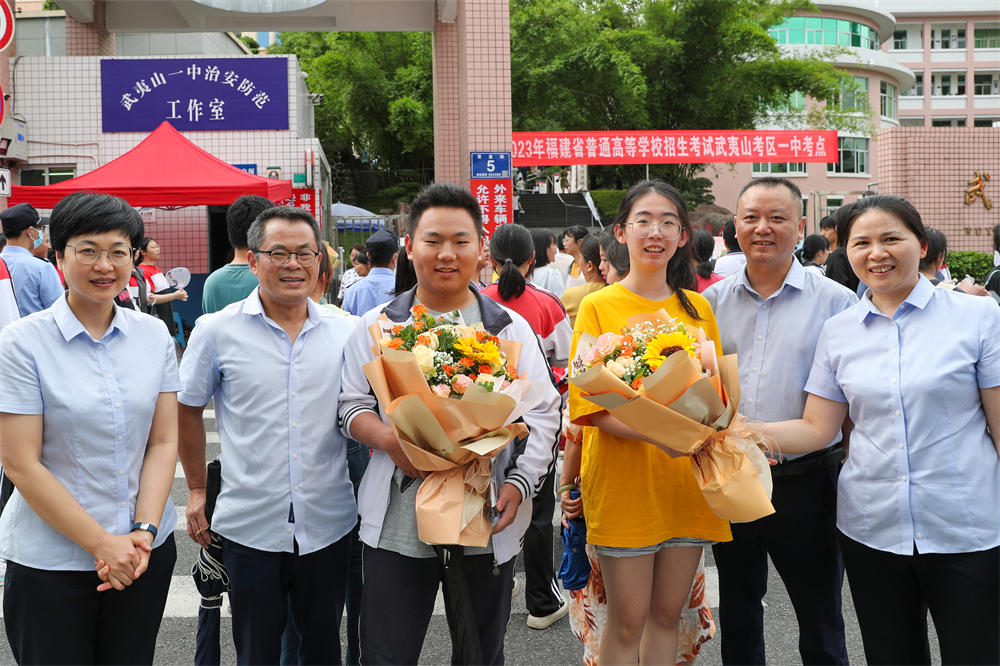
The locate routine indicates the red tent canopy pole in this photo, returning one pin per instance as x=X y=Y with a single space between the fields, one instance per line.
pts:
x=165 y=169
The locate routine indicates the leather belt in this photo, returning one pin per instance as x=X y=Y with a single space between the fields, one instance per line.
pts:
x=812 y=462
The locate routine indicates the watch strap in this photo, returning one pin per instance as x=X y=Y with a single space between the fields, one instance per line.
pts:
x=145 y=526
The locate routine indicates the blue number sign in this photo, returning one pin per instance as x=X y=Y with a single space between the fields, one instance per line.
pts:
x=194 y=94
x=490 y=165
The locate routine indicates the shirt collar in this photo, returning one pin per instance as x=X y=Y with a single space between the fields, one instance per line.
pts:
x=381 y=270
x=918 y=297
x=795 y=277
x=70 y=326
x=16 y=249
x=253 y=306
x=495 y=318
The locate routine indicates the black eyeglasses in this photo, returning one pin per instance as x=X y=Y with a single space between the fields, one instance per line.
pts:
x=281 y=257
x=89 y=255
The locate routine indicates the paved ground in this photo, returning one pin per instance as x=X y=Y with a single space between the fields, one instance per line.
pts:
x=555 y=645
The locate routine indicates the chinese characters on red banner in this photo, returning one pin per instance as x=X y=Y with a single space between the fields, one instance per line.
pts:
x=663 y=147
x=494 y=197
x=310 y=200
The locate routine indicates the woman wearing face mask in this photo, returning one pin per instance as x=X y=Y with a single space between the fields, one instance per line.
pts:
x=918 y=504
x=88 y=410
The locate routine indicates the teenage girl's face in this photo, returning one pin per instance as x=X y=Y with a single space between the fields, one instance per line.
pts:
x=608 y=271
x=552 y=251
x=152 y=252
x=652 y=253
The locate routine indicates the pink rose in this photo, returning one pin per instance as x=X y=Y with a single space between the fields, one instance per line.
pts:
x=441 y=390
x=460 y=383
x=606 y=344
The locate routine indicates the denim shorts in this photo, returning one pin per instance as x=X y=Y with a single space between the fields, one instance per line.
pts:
x=615 y=551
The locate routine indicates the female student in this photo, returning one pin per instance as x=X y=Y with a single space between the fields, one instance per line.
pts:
x=545 y=273
x=645 y=514
x=918 y=504
x=88 y=410
x=590 y=270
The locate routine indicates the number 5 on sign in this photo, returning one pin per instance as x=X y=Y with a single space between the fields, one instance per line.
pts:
x=484 y=166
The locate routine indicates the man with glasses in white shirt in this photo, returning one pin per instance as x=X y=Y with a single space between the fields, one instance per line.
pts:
x=286 y=509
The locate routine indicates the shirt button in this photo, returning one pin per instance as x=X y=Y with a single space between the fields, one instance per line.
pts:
x=904 y=478
x=900 y=445
x=123 y=505
x=295 y=425
x=892 y=323
x=295 y=457
x=296 y=489
x=282 y=335
x=100 y=347
x=121 y=472
x=287 y=529
x=750 y=401
x=119 y=438
x=755 y=369
x=293 y=394
x=764 y=306
x=109 y=376
x=920 y=535
x=893 y=351
x=897 y=412
x=893 y=380
x=760 y=337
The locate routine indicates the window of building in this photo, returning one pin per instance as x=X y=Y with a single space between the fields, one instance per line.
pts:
x=854 y=95
x=46 y=176
x=899 y=39
x=911 y=121
x=264 y=39
x=832 y=32
x=949 y=84
x=918 y=87
x=987 y=38
x=948 y=38
x=853 y=156
x=889 y=100
x=767 y=169
x=985 y=122
x=795 y=103
x=984 y=84
x=955 y=122
x=833 y=204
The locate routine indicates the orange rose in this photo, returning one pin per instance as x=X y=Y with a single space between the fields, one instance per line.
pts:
x=467 y=362
x=484 y=369
x=397 y=329
x=448 y=369
x=395 y=343
x=637 y=384
x=424 y=340
x=418 y=326
x=511 y=371
x=419 y=310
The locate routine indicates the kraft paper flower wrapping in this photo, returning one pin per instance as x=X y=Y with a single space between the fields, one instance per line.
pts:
x=454 y=439
x=680 y=408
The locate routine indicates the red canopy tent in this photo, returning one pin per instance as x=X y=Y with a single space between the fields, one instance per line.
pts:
x=164 y=170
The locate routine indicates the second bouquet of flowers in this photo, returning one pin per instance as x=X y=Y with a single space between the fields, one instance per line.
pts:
x=452 y=394
x=664 y=380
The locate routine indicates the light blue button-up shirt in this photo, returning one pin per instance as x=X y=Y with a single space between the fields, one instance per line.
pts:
x=923 y=469
x=370 y=291
x=775 y=338
x=36 y=282
x=284 y=460
x=97 y=399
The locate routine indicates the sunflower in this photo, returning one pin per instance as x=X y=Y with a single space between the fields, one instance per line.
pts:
x=480 y=352
x=665 y=344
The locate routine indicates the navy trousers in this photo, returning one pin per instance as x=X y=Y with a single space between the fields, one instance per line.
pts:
x=262 y=583
x=541 y=591
x=801 y=538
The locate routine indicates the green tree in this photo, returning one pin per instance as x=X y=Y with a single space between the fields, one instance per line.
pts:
x=377 y=114
x=251 y=43
x=643 y=64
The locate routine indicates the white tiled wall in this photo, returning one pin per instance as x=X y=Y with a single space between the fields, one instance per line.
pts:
x=60 y=99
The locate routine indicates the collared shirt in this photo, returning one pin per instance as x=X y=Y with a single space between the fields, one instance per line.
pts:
x=923 y=469
x=231 y=283
x=36 y=283
x=96 y=398
x=370 y=291
x=730 y=264
x=775 y=337
x=284 y=461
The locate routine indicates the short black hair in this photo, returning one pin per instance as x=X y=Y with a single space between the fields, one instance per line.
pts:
x=255 y=235
x=360 y=247
x=896 y=206
x=813 y=245
x=543 y=240
x=774 y=181
x=362 y=258
x=828 y=222
x=85 y=213
x=617 y=253
x=937 y=247
x=444 y=195
x=241 y=215
x=577 y=232
x=3 y=241
x=729 y=236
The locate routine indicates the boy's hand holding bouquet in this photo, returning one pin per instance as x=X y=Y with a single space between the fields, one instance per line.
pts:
x=451 y=393
x=663 y=379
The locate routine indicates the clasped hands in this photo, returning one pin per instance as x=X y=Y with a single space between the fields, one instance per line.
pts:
x=119 y=560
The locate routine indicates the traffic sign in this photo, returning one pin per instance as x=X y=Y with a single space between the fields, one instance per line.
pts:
x=4 y=181
x=6 y=26
x=490 y=165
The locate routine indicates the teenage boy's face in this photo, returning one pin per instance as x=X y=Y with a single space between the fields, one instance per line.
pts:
x=444 y=250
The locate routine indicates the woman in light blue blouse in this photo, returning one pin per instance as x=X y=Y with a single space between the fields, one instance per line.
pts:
x=88 y=415
x=918 y=506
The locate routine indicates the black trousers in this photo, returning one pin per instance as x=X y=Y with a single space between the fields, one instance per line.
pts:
x=892 y=594
x=541 y=590
x=262 y=582
x=59 y=617
x=397 y=602
x=801 y=538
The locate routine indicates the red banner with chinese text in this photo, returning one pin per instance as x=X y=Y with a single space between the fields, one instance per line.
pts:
x=494 y=197
x=668 y=147
x=310 y=200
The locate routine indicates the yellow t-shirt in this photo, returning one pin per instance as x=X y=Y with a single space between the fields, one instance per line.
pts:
x=634 y=494
x=572 y=297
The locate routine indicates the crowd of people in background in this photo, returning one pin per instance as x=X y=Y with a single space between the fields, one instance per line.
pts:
x=876 y=374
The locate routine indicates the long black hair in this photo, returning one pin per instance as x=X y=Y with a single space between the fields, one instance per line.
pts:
x=511 y=246
x=543 y=239
x=680 y=272
x=406 y=276
x=813 y=245
x=704 y=245
x=590 y=250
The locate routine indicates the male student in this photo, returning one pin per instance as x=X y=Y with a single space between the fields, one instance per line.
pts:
x=402 y=574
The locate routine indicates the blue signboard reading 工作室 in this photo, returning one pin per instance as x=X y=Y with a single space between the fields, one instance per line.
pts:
x=194 y=94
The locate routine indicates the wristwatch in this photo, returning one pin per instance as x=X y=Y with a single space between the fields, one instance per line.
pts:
x=145 y=526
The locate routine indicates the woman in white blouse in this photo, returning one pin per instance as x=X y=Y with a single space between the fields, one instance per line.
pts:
x=918 y=507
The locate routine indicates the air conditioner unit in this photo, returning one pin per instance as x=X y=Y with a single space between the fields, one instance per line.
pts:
x=13 y=140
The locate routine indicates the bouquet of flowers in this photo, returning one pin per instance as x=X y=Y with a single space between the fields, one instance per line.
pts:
x=451 y=393
x=664 y=380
